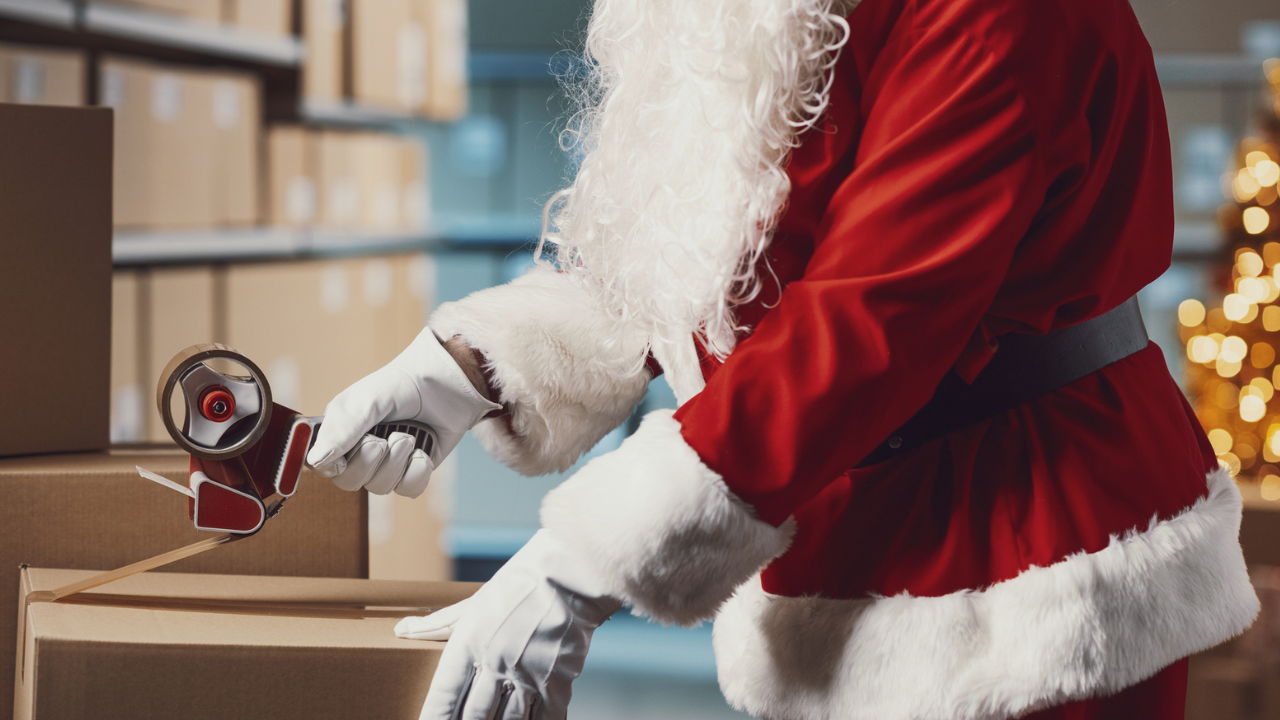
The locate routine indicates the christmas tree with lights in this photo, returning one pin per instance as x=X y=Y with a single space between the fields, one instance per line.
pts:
x=1232 y=375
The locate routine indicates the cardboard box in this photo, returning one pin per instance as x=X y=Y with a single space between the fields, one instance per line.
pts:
x=446 y=23
x=415 y=185
x=324 y=28
x=235 y=123
x=182 y=309
x=128 y=397
x=202 y=10
x=264 y=17
x=291 y=176
x=189 y=646
x=378 y=179
x=389 y=54
x=39 y=76
x=187 y=145
x=55 y=279
x=91 y=511
x=338 y=187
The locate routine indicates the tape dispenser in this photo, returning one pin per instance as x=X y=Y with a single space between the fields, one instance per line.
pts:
x=247 y=451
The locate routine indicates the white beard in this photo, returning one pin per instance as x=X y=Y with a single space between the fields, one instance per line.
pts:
x=688 y=115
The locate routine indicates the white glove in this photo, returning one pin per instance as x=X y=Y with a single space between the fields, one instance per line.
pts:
x=424 y=383
x=518 y=643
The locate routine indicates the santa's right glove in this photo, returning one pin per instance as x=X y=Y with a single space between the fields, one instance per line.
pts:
x=424 y=384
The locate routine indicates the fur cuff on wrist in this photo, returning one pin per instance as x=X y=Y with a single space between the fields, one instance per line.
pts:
x=661 y=527
x=565 y=388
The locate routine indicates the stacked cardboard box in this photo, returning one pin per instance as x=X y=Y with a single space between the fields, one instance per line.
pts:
x=344 y=180
x=331 y=654
x=403 y=55
x=41 y=76
x=55 y=278
x=200 y=10
x=187 y=145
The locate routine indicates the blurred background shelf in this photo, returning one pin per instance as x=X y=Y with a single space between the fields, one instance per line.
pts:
x=50 y=13
x=190 y=35
x=1207 y=69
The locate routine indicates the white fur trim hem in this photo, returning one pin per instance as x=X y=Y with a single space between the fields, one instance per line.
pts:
x=1087 y=626
x=660 y=527
x=566 y=387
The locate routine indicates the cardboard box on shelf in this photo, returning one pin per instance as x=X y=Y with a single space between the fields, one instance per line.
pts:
x=55 y=279
x=41 y=76
x=337 y=188
x=91 y=511
x=164 y=158
x=264 y=17
x=128 y=397
x=377 y=173
x=446 y=23
x=414 y=185
x=186 y=145
x=290 y=170
x=182 y=308
x=324 y=28
x=202 y=10
x=235 y=124
x=158 y=645
x=389 y=54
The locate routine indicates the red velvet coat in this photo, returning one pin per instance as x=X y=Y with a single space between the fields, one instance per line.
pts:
x=984 y=168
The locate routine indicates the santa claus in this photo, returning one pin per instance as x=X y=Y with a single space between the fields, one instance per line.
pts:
x=926 y=465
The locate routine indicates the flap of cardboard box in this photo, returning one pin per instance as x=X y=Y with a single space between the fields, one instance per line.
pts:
x=174 y=644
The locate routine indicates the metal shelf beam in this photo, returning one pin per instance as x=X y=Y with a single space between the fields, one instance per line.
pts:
x=50 y=13
x=183 y=34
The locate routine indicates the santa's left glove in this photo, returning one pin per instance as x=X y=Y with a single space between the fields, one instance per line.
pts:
x=516 y=646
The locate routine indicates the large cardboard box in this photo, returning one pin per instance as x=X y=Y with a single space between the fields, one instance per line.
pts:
x=91 y=511
x=55 y=278
x=41 y=76
x=324 y=33
x=415 y=185
x=128 y=397
x=446 y=23
x=338 y=187
x=389 y=54
x=202 y=10
x=291 y=176
x=190 y=646
x=264 y=17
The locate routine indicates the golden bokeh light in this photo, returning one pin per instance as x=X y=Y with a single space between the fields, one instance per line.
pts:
x=1221 y=440
x=1244 y=186
x=1250 y=264
x=1255 y=220
x=1252 y=158
x=1251 y=391
x=1235 y=306
x=1226 y=368
x=1265 y=387
x=1234 y=349
x=1202 y=349
x=1226 y=396
x=1191 y=312
x=1271 y=319
x=1271 y=487
x=1250 y=315
x=1273 y=288
x=1230 y=463
x=1217 y=321
x=1267 y=173
x=1253 y=289
x=1271 y=254
x=1252 y=408
x=1261 y=356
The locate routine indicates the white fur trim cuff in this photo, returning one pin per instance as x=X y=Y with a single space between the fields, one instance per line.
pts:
x=660 y=527
x=1087 y=626
x=545 y=344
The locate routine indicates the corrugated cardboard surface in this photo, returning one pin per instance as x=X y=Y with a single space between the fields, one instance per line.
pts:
x=92 y=511
x=55 y=278
x=101 y=661
x=40 y=76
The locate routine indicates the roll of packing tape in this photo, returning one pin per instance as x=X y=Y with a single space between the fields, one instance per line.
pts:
x=225 y=414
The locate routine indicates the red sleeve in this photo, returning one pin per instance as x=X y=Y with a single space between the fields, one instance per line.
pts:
x=910 y=253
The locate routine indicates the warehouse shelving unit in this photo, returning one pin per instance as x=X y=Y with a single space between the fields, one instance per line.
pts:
x=48 y=13
x=148 y=27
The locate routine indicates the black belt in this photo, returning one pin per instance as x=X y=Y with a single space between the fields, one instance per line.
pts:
x=1024 y=368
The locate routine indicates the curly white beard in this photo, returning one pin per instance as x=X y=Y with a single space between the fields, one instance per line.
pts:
x=688 y=114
